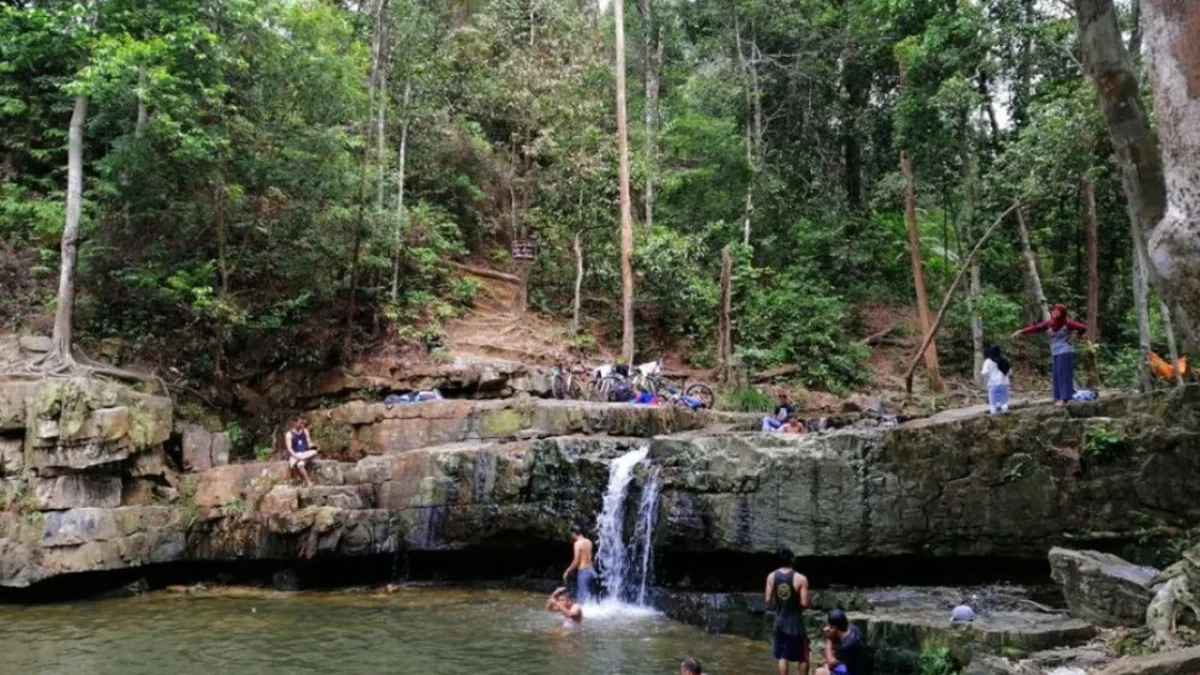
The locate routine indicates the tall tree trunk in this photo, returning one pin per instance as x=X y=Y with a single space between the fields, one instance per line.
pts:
x=402 y=165
x=1173 y=250
x=577 y=302
x=64 y=315
x=1135 y=33
x=724 y=318
x=1173 y=56
x=1141 y=292
x=381 y=130
x=855 y=84
x=914 y=252
x=651 y=61
x=623 y=180
x=976 y=288
x=1093 y=263
x=754 y=121
x=1035 y=280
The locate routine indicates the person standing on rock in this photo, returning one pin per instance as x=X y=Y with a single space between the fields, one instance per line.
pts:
x=1062 y=352
x=787 y=591
x=300 y=448
x=581 y=565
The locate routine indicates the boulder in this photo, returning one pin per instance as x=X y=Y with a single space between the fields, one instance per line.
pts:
x=12 y=456
x=1178 y=662
x=197 y=448
x=1101 y=588
x=221 y=446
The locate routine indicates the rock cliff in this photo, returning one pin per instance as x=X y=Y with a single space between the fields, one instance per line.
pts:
x=87 y=485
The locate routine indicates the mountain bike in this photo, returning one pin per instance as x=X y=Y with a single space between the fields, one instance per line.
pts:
x=565 y=383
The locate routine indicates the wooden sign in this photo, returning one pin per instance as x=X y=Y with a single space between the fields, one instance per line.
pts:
x=523 y=251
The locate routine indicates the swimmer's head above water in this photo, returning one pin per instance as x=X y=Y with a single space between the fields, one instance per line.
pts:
x=690 y=666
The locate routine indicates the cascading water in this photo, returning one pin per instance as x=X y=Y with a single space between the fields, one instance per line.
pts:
x=643 y=534
x=625 y=567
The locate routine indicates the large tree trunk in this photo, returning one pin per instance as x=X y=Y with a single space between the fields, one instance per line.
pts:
x=754 y=121
x=1172 y=346
x=64 y=314
x=623 y=179
x=402 y=165
x=1173 y=250
x=381 y=130
x=1173 y=53
x=914 y=252
x=1031 y=268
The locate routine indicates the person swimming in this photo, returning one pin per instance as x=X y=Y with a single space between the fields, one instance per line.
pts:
x=560 y=602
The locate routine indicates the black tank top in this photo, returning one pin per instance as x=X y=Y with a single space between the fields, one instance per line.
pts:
x=789 y=615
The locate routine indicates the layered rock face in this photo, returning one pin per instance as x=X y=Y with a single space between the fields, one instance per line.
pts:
x=1010 y=486
x=86 y=485
x=88 y=488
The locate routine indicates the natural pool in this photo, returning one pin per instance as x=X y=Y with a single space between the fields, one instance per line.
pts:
x=419 y=631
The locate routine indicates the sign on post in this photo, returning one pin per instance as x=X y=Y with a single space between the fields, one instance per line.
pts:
x=523 y=250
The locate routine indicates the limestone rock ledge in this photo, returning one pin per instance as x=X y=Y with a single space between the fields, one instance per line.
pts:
x=1011 y=486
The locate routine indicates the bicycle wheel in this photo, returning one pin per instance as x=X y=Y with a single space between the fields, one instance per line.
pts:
x=703 y=393
x=575 y=390
x=607 y=386
x=558 y=387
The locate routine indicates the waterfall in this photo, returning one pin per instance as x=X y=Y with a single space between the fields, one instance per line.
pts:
x=625 y=567
x=643 y=534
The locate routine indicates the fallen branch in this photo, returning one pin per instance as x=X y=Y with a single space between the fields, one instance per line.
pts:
x=877 y=338
x=781 y=371
x=479 y=271
x=937 y=322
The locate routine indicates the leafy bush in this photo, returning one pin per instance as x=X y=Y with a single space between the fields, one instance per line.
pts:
x=747 y=399
x=1104 y=444
x=937 y=662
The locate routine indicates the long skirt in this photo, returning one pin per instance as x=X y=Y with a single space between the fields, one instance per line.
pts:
x=1063 y=371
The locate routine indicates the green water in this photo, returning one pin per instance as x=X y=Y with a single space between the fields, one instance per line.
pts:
x=414 y=631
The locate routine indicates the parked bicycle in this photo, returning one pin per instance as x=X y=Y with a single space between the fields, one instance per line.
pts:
x=566 y=383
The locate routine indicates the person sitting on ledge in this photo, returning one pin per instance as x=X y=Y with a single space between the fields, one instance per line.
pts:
x=784 y=411
x=300 y=448
x=846 y=652
x=560 y=602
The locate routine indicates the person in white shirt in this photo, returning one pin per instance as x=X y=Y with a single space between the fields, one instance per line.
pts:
x=995 y=375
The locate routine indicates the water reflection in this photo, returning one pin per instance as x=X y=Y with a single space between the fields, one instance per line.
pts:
x=417 y=631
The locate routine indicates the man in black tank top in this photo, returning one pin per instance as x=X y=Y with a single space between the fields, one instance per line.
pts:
x=787 y=592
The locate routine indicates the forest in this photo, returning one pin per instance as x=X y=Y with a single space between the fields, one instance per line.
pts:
x=287 y=184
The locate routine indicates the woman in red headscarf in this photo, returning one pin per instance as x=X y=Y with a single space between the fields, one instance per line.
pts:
x=1062 y=352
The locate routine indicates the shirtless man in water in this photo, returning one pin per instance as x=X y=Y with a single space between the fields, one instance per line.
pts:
x=560 y=603
x=581 y=564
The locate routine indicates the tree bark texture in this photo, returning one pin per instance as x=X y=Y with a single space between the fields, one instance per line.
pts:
x=627 y=343
x=64 y=315
x=976 y=287
x=1173 y=56
x=914 y=251
x=1031 y=267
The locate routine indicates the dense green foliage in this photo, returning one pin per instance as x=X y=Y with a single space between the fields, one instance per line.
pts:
x=242 y=210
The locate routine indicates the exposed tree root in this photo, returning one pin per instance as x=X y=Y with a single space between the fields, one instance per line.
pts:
x=60 y=364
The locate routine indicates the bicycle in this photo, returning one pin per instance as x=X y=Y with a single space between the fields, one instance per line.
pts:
x=564 y=385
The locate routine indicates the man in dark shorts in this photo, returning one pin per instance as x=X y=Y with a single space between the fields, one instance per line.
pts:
x=787 y=591
x=846 y=652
